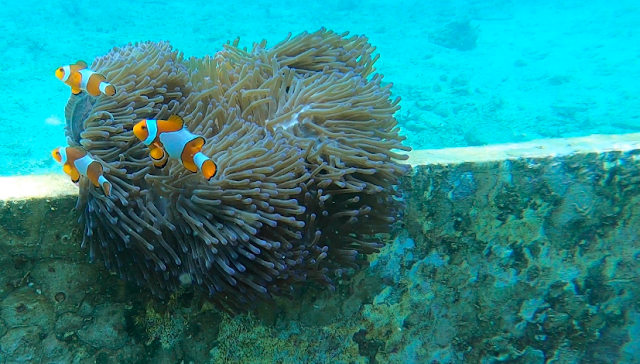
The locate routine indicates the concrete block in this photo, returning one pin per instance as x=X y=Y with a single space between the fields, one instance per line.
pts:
x=522 y=252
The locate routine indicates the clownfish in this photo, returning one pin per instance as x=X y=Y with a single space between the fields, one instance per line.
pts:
x=80 y=77
x=76 y=162
x=170 y=139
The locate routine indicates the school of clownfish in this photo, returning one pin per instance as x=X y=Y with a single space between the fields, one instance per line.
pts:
x=164 y=138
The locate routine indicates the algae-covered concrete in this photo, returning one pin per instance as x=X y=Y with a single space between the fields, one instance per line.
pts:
x=524 y=253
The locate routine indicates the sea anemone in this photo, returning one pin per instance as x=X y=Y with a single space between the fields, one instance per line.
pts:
x=308 y=153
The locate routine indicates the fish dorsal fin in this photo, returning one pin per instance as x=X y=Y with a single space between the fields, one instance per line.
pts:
x=82 y=64
x=176 y=122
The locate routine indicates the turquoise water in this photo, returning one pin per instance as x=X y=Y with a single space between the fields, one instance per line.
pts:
x=536 y=70
x=530 y=259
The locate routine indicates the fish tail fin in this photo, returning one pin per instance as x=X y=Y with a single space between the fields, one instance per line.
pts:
x=206 y=165
x=209 y=169
x=106 y=185
x=110 y=90
x=106 y=88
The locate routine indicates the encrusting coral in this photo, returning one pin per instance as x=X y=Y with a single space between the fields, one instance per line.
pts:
x=308 y=153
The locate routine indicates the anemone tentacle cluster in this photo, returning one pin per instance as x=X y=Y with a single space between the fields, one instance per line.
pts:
x=309 y=159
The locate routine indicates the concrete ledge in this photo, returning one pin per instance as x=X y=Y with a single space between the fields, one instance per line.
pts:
x=55 y=185
x=524 y=253
x=32 y=187
x=534 y=149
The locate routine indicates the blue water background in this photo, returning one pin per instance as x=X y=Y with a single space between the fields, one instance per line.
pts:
x=539 y=69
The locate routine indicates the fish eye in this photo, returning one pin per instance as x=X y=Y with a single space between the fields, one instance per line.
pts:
x=60 y=69
x=144 y=128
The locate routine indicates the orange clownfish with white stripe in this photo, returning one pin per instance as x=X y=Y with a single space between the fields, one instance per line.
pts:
x=76 y=162
x=79 y=77
x=170 y=139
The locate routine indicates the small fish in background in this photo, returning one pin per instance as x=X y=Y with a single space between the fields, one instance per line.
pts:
x=53 y=120
x=170 y=139
x=76 y=162
x=79 y=77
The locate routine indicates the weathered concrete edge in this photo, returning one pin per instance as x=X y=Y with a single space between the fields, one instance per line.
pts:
x=48 y=186
x=534 y=149
x=39 y=262
x=59 y=185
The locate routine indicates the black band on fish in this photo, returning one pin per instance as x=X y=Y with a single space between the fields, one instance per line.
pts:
x=161 y=165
